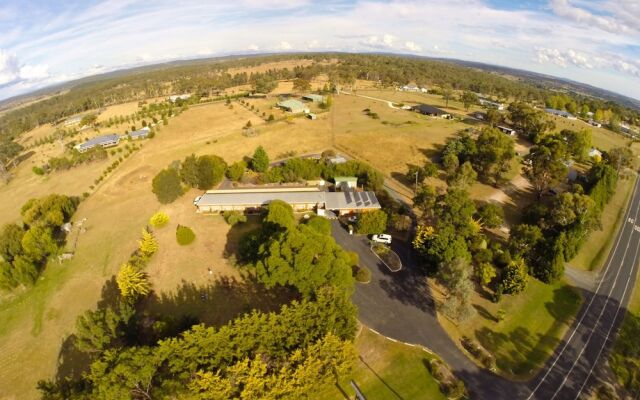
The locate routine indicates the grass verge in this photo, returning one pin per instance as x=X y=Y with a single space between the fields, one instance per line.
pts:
x=534 y=323
x=593 y=253
x=387 y=370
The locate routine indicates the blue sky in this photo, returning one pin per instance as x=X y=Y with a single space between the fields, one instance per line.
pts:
x=46 y=42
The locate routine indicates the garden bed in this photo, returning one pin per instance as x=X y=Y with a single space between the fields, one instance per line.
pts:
x=387 y=256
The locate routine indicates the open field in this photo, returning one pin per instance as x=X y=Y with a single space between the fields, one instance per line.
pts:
x=117 y=110
x=387 y=370
x=534 y=323
x=602 y=138
x=34 y=323
x=593 y=253
x=264 y=67
x=413 y=98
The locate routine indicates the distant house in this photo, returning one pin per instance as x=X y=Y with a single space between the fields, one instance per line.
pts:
x=595 y=123
x=293 y=106
x=560 y=113
x=491 y=104
x=104 y=141
x=479 y=115
x=177 y=97
x=413 y=88
x=431 y=111
x=73 y=121
x=337 y=160
x=595 y=153
x=507 y=130
x=140 y=134
x=316 y=98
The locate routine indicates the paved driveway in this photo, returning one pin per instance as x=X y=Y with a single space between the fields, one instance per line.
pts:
x=398 y=305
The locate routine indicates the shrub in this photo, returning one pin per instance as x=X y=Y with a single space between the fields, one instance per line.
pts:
x=159 y=219
x=184 y=235
x=234 y=217
x=362 y=274
x=372 y=222
x=38 y=170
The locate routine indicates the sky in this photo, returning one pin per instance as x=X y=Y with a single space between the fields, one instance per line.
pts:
x=47 y=42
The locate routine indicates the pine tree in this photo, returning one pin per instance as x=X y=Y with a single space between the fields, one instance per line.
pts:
x=148 y=243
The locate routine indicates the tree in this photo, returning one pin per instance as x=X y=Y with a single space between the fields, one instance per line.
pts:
x=260 y=160
x=98 y=330
x=455 y=276
x=523 y=239
x=425 y=199
x=279 y=215
x=543 y=168
x=234 y=217
x=528 y=120
x=38 y=243
x=468 y=99
x=485 y=273
x=447 y=92
x=148 y=243
x=11 y=242
x=514 y=277
x=301 y=85
x=464 y=176
x=184 y=235
x=372 y=222
x=619 y=158
x=491 y=215
x=578 y=143
x=614 y=123
x=189 y=170
x=264 y=84
x=132 y=283
x=211 y=170
x=495 y=151
x=166 y=186
x=494 y=118
x=236 y=170
x=306 y=259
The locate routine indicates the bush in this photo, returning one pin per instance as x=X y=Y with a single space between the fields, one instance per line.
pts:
x=234 y=217
x=38 y=170
x=184 y=235
x=159 y=219
x=362 y=274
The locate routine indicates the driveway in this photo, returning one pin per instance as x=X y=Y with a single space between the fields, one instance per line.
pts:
x=398 y=305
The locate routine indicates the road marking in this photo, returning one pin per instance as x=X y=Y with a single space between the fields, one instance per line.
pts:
x=535 y=389
x=604 y=307
x=626 y=287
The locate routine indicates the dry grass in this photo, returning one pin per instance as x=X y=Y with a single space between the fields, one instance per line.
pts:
x=33 y=324
x=276 y=65
x=35 y=134
x=601 y=138
x=117 y=110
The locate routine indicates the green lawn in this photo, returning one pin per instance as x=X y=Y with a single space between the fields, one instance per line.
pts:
x=593 y=253
x=387 y=370
x=534 y=324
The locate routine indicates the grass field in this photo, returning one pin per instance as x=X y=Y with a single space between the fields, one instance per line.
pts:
x=534 y=324
x=387 y=370
x=34 y=323
x=601 y=138
x=595 y=250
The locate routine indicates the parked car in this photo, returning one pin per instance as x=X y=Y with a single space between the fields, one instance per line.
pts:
x=352 y=218
x=196 y=200
x=382 y=238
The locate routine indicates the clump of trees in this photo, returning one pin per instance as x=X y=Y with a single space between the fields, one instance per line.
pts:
x=76 y=158
x=372 y=222
x=25 y=248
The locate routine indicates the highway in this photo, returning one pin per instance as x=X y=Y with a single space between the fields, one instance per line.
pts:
x=573 y=366
x=398 y=305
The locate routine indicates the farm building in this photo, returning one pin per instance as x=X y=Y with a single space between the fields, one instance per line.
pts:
x=293 y=106
x=479 y=115
x=300 y=198
x=177 y=97
x=140 y=134
x=491 y=104
x=346 y=182
x=104 y=141
x=413 y=88
x=317 y=98
x=431 y=111
x=73 y=121
x=594 y=123
x=507 y=130
x=560 y=113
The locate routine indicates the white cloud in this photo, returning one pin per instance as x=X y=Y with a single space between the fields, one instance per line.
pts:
x=565 y=58
x=11 y=72
x=313 y=44
x=283 y=46
x=205 y=52
x=9 y=69
x=385 y=42
x=253 y=47
x=34 y=72
x=610 y=23
x=411 y=46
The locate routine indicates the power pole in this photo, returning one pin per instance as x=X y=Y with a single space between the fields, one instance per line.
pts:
x=415 y=192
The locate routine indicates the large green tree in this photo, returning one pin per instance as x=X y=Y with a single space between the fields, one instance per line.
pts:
x=495 y=150
x=166 y=186
x=372 y=222
x=260 y=160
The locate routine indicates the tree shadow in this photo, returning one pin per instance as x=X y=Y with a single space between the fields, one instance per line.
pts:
x=233 y=246
x=484 y=313
x=216 y=303
x=434 y=154
x=392 y=390
x=72 y=363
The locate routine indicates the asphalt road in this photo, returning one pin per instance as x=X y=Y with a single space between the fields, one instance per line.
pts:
x=398 y=305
